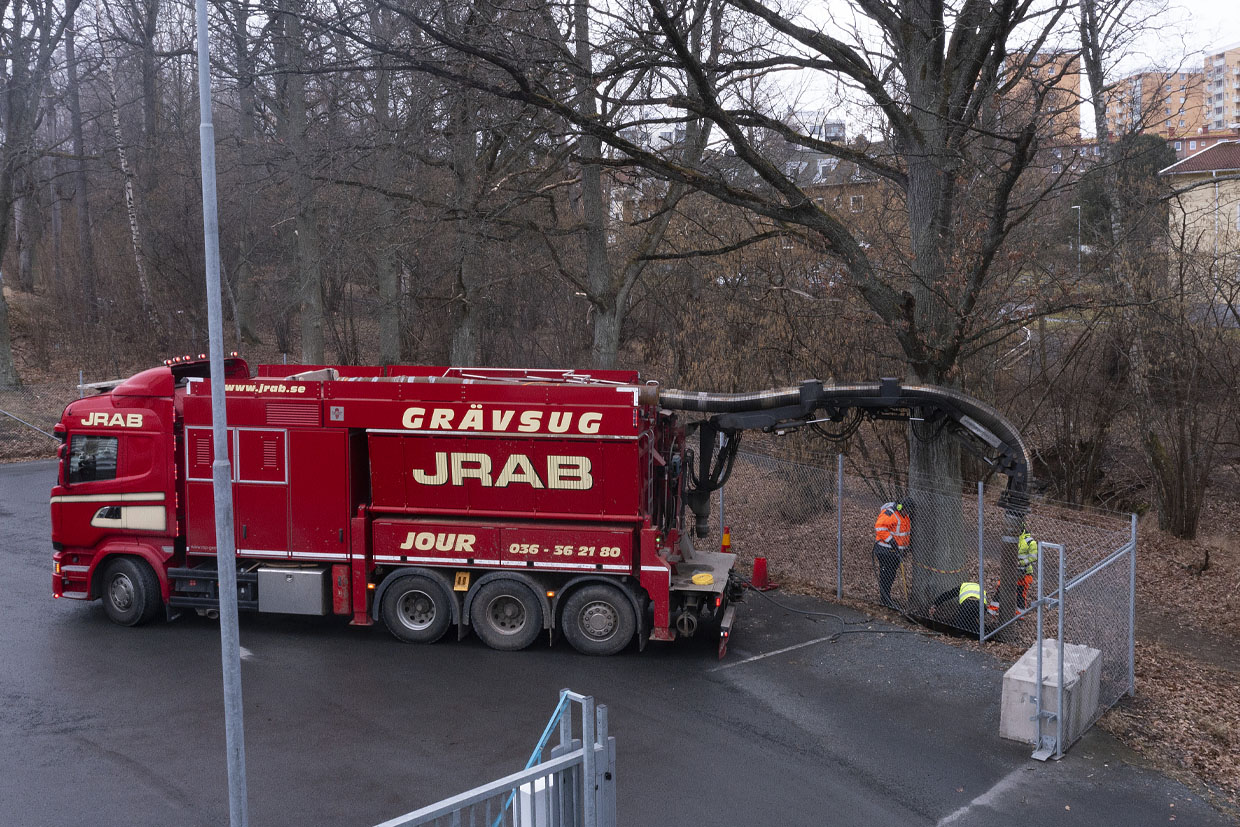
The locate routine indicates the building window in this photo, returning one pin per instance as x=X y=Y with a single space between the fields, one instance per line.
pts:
x=1179 y=145
x=856 y=203
x=1192 y=144
x=1056 y=169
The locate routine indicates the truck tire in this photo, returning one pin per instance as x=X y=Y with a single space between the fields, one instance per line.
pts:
x=506 y=615
x=130 y=592
x=598 y=620
x=415 y=609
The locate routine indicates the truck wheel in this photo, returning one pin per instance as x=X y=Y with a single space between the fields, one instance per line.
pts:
x=130 y=592
x=598 y=620
x=415 y=609
x=506 y=615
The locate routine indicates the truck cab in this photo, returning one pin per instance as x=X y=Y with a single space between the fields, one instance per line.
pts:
x=115 y=503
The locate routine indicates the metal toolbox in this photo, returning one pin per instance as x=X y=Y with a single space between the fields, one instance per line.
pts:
x=293 y=591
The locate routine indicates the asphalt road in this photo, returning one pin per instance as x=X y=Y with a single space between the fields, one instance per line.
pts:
x=345 y=726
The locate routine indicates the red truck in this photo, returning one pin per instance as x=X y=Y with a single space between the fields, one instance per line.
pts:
x=504 y=501
x=508 y=502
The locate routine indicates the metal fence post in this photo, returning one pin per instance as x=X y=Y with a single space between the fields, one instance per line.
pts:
x=1063 y=596
x=605 y=772
x=981 y=563
x=1132 y=608
x=722 y=442
x=839 y=526
x=589 y=797
x=1037 y=695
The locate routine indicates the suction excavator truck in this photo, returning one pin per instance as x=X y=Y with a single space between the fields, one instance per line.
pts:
x=506 y=502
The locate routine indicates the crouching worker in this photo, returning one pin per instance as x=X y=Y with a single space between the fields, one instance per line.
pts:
x=892 y=531
x=961 y=607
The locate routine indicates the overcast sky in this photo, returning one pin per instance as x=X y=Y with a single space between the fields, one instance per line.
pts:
x=1210 y=24
x=1194 y=27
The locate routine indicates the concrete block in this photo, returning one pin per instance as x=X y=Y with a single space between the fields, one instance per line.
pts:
x=1082 y=668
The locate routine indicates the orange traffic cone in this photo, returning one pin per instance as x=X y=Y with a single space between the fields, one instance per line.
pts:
x=759 y=580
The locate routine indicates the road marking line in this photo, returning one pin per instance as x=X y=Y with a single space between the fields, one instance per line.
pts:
x=985 y=799
x=246 y=654
x=776 y=652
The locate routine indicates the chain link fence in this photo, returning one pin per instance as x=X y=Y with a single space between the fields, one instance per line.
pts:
x=27 y=415
x=815 y=526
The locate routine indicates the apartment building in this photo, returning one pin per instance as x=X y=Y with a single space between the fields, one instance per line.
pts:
x=1051 y=82
x=1166 y=103
x=1221 y=90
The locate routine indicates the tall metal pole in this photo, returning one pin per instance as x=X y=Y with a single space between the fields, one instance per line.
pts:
x=1059 y=711
x=1077 y=207
x=722 y=440
x=1132 y=609
x=839 y=526
x=221 y=469
x=981 y=560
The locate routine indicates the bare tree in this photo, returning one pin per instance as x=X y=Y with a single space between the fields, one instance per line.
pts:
x=87 y=280
x=293 y=127
x=30 y=34
x=932 y=73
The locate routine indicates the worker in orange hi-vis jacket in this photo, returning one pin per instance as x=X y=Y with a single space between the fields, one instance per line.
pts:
x=892 y=531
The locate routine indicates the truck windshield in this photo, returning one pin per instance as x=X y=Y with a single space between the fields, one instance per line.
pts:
x=92 y=458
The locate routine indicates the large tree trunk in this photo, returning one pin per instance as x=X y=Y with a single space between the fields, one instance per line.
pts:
x=243 y=272
x=599 y=277
x=387 y=272
x=309 y=279
x=86 y=281
x=463 y=133
x=387 y=267
x=934 y=458
x=56 y=219
x=27 y=225
x=8 y=368
x=148 y=162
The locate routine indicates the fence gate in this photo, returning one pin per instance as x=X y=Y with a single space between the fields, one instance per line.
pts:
x=575 y=787
x=1087 y=663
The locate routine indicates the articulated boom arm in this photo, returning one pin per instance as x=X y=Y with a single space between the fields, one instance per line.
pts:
x=980 y=428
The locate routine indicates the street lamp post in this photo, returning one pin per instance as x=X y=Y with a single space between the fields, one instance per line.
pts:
x=1077 y=207
x=221 y=468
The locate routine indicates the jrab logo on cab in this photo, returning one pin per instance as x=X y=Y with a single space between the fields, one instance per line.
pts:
x=106 y=420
